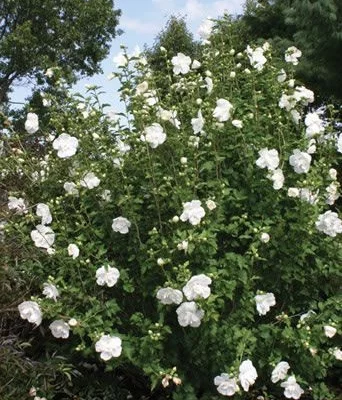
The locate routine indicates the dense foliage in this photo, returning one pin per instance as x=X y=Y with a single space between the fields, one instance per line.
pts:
x=314 y=26
x=70 y=35
x=194 y=238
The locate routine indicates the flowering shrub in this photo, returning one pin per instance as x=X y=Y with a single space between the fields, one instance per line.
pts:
x=198 y=195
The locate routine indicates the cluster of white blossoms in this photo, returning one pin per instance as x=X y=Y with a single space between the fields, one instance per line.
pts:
x=192 y=212
x=198 y=123
x=65 y=145
x=264 y=302
x=108 y=347
x=270 y=159
x=43 y=236
x=43 y=211
x=329 y=331
x=228 y=386
x=31 y=123
x=188 y=313
x=107 y=276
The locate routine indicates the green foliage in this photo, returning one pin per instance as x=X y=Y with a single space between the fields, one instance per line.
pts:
x=150 y=180
x=72 y=35
x=313 y=27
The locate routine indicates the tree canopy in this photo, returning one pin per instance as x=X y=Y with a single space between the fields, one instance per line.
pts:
x=74 y=35
x=313 y=26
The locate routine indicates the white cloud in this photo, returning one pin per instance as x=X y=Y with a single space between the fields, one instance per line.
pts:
x=138 y=26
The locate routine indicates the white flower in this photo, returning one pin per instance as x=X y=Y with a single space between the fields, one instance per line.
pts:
x=296 y=117
x=107 y=275
x=198 y=123
x=195 y=64
x=281 y=76
x=154 y=135
x=300 y=161
x=292 y=389
x=189 y=314
x=43 y=211
x=151 y=97
x=222 y=110
x=339 y=143
x=106 y=195
x=314 y=125
x=141 y=88
x=183 y=245
x=277 y=177
x=225 y=385
x=247 y=375
x=31 y=123
x=304 y=95
x=306 y=194
x=50 y=291
x=73 y=250
x=287 y=102
x=292 y=54
x=65 y=145
x=72 y=322
x=59 y=329
x=237 y=123
x=311 y=147
x=205 y=29
x=43 y=236
x=306 y=315
x=268 y=159
x=169 y=296
x=120 y=60
x=90 y=180
x=30 y=310
x=49 y=72
x=192 y=212
x=333 y=173
x=256 y=57
x=337 y=353
x=329 y=223
x=181 y=64
x=121 y=225
x=332 y=193
x=122 y=147
x=197 y=287
x=70 y=188
x=293 y=192
x=109 y=347
x=17 y=204
x=280 y=371
x=265 y=237
x=209 y=84
x=264 y=302
x=329 y=331
x=210 y=204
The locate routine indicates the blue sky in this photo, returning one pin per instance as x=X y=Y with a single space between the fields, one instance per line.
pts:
x=141 y=21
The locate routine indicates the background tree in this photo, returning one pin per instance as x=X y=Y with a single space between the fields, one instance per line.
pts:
x=73 y=35
x=314 y=27
x=176 y=38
